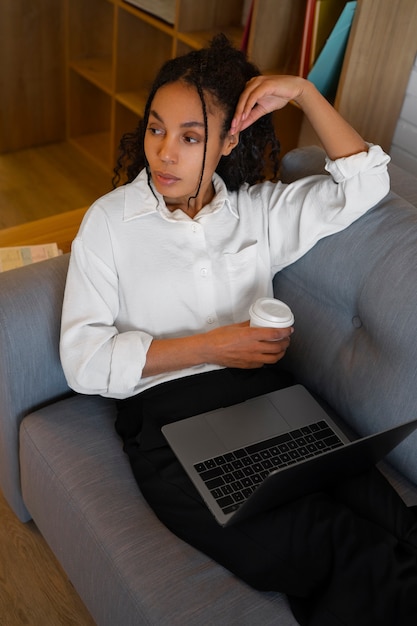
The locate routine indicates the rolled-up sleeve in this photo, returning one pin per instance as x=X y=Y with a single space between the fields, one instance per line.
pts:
x=96 y=357
x=317 y=206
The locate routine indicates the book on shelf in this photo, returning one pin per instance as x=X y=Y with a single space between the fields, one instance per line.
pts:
x=326 y=14
x=319 y=20
x=18 y=256
x=326 y=70
x=246 y=23
x=307 y=38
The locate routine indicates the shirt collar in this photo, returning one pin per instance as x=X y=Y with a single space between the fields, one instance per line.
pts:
x=140 y=201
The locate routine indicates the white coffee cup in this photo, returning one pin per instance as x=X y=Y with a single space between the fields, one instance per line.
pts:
x=270 y=313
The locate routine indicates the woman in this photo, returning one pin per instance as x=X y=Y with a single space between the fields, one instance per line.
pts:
x=161 y=277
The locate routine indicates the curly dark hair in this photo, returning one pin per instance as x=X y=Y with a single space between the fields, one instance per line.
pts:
x=221 y=71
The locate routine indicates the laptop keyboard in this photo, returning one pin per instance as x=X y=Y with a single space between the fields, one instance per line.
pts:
x=233 y=477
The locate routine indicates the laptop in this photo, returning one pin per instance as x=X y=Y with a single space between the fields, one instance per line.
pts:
x=251 y=457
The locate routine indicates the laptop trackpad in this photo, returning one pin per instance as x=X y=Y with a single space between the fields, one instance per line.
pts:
x=251 y=421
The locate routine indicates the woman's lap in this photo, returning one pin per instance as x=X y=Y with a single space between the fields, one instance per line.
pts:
x=336 y=554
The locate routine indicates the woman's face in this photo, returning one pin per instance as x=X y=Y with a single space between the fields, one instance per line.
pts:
x=174 y=145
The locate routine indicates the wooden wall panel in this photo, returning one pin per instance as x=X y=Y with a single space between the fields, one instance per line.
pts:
x=32 y=73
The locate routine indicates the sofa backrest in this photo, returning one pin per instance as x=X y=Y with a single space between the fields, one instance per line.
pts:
x=30 y=369
x=354 y=298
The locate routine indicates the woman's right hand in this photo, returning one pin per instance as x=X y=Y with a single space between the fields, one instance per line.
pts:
x=264 y=94
x=235 y=345
x=242 y=346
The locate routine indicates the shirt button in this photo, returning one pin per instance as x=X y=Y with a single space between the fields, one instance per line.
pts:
x=203 y=272
x=194 y=228
x=210 y=320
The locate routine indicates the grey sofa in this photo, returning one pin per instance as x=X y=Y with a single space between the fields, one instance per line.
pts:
x=355 y=302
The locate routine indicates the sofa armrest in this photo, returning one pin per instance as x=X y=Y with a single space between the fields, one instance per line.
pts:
x=30 y=369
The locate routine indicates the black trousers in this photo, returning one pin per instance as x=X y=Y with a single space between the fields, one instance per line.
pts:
x=347 y=555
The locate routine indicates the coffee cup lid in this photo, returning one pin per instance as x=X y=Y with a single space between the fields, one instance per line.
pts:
x=271 y=310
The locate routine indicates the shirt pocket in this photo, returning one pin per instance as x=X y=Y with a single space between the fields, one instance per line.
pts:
x=242 y=279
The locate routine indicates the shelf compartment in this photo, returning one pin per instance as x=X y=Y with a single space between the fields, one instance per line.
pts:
x=141 y=50
x=126 y=121
x=149 y=18
x=276 y=35
x=135 y=101
x=95 y=145
x=212 y=14
x=89 y=123
x=197 y=23
x=90 y=50
x=181 y=48
x=200 y=39
x=97 y=71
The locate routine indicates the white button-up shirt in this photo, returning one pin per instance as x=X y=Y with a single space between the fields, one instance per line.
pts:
x=139 y=271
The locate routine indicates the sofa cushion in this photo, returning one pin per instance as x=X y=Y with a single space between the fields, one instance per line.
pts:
x=354 y=298
x=79 y=488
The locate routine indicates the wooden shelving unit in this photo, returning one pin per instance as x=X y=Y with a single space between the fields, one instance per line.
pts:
x=114 y=49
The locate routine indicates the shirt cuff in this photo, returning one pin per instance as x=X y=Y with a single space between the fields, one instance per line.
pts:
x=127 y=362
x=348 y=167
